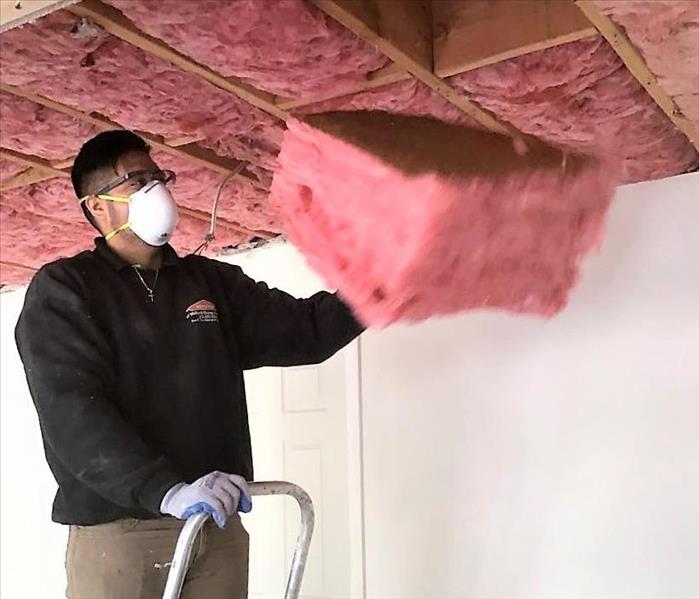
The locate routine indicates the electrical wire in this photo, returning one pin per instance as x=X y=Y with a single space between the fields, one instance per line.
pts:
x=211 y=235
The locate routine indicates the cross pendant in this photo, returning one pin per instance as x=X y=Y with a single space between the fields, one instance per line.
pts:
x=151 y=297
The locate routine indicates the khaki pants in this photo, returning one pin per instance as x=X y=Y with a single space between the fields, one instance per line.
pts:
x=130 y=559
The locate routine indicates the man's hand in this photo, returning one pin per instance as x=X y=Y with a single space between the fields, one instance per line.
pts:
x=217 y=493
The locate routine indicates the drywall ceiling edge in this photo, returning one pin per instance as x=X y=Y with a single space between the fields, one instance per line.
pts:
x=14 y=13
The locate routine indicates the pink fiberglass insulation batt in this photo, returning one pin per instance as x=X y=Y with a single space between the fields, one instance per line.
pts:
x=14 y=275
x=463 y=223
x=34 y=129
x=54 y=200
x=667 y=34
x=32 y=240
x=240 y=202
x=571 y=95
x=287 y=47
x=93 y=71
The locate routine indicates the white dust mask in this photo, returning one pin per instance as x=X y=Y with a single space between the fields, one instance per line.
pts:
x=152 y=213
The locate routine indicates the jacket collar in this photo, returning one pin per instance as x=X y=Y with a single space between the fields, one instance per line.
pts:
x=102 y=249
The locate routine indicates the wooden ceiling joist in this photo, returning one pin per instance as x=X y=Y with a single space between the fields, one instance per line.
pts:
x=469 y=35
x=26 y=177
x=638 y=68
x=114 y=22
x=17 y=265
x=32 y=161
x=189 y=151
x=402 y=31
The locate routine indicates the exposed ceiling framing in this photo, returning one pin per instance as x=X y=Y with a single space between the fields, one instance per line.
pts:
x=638 y=68
x=402 y=31
x=427 y=41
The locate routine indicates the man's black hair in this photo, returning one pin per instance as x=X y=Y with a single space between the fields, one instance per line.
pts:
x=101 y=152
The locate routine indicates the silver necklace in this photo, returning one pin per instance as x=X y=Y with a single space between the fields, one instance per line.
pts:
x=151 y=291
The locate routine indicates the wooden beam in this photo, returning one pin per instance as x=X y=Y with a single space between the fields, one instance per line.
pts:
x=638 y=68
x=28 y=176
x=114 y=22
x=385 y=76
x=191 y=152
x=32 y=161
x=17 y=265
x=469 y=35
x=402 y=30
x=176 y=142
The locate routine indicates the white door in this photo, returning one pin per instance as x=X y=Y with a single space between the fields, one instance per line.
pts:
x=299 y=434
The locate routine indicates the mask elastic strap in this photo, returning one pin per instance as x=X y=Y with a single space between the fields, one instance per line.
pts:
x=111 y=198
x=123 y=227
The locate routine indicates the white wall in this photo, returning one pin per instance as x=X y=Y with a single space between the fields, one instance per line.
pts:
x=506 y=457
x=32 y=547
x=503 y=457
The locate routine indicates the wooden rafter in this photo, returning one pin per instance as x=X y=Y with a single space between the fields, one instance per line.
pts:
x=638 y=68
x=114 y=22
x=402 y=30
x=190 y=151
x=28 y=176
x=17 y=265
x=469 y=35
x=32 y=161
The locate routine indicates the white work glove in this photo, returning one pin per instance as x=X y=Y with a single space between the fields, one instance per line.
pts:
x=217 y=493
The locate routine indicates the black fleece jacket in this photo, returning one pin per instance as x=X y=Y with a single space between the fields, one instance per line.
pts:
x=134 y=396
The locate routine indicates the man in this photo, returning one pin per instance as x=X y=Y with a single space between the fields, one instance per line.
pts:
x=135 y=358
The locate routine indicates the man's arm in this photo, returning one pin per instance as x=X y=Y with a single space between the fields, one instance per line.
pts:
x=276 y=329
x=69 y=368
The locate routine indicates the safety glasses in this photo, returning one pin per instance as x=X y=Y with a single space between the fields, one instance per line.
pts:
x=138 y=180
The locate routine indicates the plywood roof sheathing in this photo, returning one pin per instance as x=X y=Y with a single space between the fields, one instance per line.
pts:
x=190 y=151
x=114 y=22
x=638 y=68
x=469 y=35
x=402 y=30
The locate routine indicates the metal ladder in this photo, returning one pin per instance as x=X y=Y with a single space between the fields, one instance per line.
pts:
x=185 y=542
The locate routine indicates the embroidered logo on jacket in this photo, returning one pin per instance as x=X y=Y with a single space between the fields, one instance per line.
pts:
x=202 y=311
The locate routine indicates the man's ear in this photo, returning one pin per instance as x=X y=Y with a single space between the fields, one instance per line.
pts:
x=95 y=206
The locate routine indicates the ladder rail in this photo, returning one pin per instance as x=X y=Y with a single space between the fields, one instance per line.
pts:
x=194 y=524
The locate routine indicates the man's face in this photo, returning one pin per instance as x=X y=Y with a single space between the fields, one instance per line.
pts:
x=111 y=215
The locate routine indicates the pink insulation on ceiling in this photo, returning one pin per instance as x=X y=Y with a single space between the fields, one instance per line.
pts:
x=43 y=222
x=36 y=130
x=287 y=47
x=666 y=32
x=411 y=98
x=33 y=240
x=15 y=275
x=405 y=245
x=580 y=95
x=93 y=71
x=240 y=202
